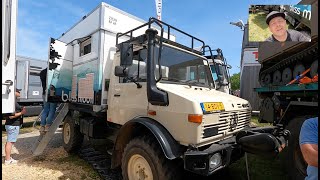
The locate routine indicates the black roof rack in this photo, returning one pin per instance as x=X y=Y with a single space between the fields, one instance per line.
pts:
x=153 y=20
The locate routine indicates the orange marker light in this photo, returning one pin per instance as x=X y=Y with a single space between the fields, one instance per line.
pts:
x=195 y=118
x=152 y=113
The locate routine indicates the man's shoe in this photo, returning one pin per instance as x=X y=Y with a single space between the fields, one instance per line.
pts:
x=46 y=128
x=10 y=161
x=41 y=129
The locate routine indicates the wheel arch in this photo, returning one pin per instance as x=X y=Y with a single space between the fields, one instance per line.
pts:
x=141 y=125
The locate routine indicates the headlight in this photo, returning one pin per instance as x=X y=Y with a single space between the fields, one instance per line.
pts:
x=214 y=161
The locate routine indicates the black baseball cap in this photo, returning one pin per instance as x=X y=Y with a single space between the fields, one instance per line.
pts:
x=274 y=14
x=18 y=90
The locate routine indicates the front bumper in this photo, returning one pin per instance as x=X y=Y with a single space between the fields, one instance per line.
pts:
x=199 y=161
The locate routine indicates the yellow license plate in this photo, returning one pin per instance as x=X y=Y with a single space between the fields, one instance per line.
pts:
x=214 y=106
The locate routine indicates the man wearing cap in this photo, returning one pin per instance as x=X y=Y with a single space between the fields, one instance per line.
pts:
x=12 y=126
x=278 y=26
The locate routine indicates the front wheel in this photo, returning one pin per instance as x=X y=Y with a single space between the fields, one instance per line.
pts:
x=294 y=161
x=143 y=159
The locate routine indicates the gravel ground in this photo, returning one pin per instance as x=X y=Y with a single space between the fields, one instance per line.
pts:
x=54 y=163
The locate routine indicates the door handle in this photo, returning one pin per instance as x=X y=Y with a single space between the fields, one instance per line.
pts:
x=116 y=95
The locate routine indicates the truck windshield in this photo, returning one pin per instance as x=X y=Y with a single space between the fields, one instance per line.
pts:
x=181 y=67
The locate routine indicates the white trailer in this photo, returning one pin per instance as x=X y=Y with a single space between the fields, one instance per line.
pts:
x=8 y=55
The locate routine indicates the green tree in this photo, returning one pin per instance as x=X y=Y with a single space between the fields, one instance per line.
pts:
x=235 y=81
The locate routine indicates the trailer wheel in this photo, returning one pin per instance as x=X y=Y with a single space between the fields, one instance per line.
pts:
x=294 y=161
x=72 y=138
x=143 y=159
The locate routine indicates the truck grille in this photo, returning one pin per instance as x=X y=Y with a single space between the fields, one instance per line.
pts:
x=228 y=123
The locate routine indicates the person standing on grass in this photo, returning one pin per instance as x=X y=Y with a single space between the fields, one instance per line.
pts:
x=309 y=146
x=12 y=126
x=49 y=108
x=278 y=26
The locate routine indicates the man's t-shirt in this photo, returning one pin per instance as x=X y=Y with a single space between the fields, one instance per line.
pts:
x=309 y=135
x=293 y=35
x=16 y=121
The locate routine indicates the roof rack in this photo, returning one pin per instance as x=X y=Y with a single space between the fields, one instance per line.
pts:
x=153 y=20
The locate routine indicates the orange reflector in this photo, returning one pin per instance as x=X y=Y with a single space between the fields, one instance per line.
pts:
x=152 y=113
x=195 y=118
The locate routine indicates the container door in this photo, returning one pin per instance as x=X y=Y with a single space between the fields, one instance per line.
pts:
x=59 y=72
x=8 y=55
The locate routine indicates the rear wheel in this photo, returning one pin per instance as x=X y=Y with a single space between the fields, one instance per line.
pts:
x=143 y=159
x=72 y=138
x=294 y=161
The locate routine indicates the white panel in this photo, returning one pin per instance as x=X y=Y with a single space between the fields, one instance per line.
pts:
x=8 y=50
x=60 y=75
x=84 y=28
x=250 y=57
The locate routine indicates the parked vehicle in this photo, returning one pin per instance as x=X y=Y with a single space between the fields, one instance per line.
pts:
x=130 y=83
x=28 y=80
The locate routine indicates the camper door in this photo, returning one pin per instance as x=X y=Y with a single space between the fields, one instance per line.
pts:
x=59 y=72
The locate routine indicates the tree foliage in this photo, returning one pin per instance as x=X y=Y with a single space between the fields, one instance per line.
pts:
x=235 y=81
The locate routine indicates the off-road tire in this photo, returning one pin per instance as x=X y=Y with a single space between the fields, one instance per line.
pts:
x=150 y=150
x=71 y=136
x=292 y=157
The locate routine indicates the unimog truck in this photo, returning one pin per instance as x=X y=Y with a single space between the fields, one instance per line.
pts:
x=132 y=83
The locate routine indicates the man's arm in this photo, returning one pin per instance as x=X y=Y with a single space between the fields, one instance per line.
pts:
x=18 y=114
x=310 y=154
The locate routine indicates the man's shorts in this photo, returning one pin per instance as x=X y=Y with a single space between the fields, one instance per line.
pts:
x=12 y=133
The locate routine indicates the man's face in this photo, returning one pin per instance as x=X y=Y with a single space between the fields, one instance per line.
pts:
x=278 y=26
x=17 y=94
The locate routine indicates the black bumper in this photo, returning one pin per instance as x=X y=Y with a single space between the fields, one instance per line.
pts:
x=198 y=161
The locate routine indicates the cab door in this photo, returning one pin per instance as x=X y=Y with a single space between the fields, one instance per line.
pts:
x=128 y=100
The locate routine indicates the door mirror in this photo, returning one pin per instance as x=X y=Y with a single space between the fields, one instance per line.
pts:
x=120 y=71
x=126 y=54
x=229 y=66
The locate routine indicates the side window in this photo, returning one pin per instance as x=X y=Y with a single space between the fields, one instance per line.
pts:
x=85 y=47
x=138 y=69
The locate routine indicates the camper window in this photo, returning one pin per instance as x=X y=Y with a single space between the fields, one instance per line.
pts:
x=85 y=47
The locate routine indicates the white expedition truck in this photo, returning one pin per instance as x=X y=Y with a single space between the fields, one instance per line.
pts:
x=131 y=83
x=8 y=54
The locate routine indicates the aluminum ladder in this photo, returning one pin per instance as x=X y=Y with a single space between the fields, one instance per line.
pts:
x=44 y=139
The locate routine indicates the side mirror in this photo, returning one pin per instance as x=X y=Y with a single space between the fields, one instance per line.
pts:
x=229 y=66
x=120 y=71
x=126 y=54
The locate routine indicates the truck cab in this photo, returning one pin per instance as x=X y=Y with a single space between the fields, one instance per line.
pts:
x=220 y=71
x=169 y=87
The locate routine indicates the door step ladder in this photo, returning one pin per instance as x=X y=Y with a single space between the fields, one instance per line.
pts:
x=44 y=139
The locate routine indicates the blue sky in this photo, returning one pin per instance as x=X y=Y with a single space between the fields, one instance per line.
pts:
x=38 y=20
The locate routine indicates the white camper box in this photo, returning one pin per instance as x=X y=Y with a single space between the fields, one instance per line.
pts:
x=87 y=50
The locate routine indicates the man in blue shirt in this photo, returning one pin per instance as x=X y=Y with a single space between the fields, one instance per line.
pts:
x=309 y=146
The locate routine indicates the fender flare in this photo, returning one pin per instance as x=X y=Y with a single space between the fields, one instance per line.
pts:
x=170 y=147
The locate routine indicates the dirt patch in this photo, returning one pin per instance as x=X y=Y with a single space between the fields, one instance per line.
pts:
x=54 y=163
